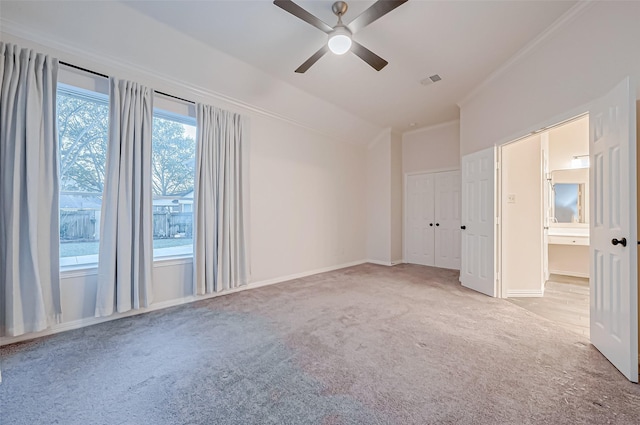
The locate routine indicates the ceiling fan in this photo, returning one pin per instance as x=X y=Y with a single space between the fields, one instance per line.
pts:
x=340 y=36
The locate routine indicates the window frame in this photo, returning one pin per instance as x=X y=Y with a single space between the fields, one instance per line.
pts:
x=93 y=88
x=84 y=83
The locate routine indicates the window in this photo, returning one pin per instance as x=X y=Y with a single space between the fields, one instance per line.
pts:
x=83 y=122
x=173 y=168
x=83 y=126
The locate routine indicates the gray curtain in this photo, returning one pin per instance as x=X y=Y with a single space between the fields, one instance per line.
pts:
x=220 y=258
x=29 y=228
x=126 y=242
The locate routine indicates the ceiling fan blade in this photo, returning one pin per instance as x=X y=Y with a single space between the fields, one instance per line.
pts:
x=368 y=56
x=299 y=12
x=313 y=59
x=376 y=11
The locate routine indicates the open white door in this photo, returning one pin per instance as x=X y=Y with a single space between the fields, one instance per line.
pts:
x=478 y=218
x=614 y=275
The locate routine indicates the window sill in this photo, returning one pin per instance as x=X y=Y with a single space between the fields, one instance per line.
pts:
x=172 y=261
x=80 y=270
x=91 y=269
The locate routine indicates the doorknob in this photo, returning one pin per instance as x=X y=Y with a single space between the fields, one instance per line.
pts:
x=622 y=241
x=463 y=227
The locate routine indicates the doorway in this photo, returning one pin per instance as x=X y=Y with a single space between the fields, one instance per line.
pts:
x=544 y=210
x=613 y=253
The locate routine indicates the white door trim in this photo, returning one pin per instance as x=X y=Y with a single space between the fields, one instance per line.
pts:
x=560 y=120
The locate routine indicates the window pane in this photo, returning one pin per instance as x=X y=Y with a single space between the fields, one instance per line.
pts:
x=173 y=167
x=83 y=120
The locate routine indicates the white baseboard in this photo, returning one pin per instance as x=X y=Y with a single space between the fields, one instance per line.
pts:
x=303 y=274
x=569 y=273
x=88 y=321
x=522 y=293
x=380 y=263
x=399 y=261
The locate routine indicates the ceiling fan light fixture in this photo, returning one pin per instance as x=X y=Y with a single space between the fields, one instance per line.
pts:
x=340 y=40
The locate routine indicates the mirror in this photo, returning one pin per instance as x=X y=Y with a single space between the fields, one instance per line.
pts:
x=568 y=203
x=569 y=196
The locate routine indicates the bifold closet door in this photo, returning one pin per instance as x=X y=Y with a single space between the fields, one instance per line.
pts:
x=433 y=219
x=447 y=220
x=420 y=219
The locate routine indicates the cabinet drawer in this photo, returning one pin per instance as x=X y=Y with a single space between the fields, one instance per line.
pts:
x=569 y=240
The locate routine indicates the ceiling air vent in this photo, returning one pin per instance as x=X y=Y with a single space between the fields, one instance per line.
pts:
x=430 y=80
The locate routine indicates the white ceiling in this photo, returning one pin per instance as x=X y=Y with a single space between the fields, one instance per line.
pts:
x=462 y=41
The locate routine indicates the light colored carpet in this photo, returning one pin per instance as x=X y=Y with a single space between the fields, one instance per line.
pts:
x=363 y=345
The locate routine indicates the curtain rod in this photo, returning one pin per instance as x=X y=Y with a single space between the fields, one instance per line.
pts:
x=175 y=97
x=84 y=69
x=106 y=76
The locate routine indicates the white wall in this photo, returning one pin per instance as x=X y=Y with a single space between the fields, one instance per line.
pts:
x=307 y=200
x=384 y=199
x=567 y=141
x=579 y=62
x=307 y=178
x=431 y=148
x=396 y=198
x=522 y=219
x=378 y=216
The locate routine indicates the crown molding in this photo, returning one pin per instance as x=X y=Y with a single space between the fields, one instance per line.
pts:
x=385 y=132
x=187 y=89
x=431 y=127
x=557 y=25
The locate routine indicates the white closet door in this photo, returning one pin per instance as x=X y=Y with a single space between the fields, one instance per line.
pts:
x=420 y=223
x=447 y=220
